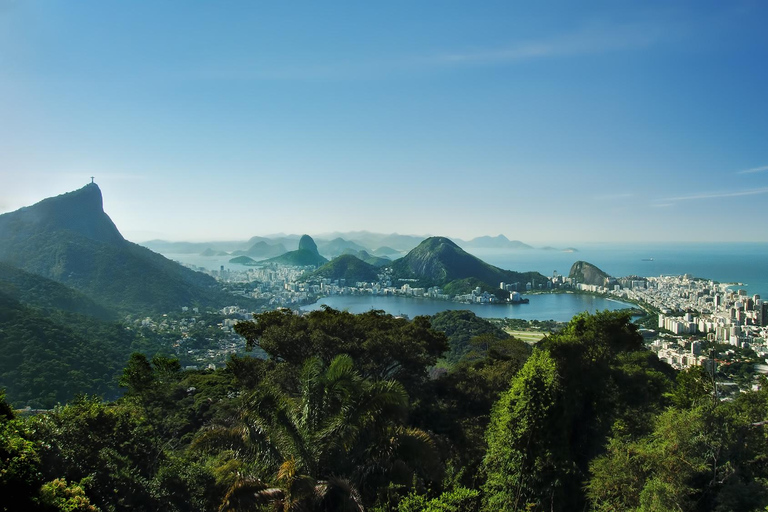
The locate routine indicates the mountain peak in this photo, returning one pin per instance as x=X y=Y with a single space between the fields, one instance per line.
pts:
x=80 y=211
x=587 y=273
x=306 y=243
x=437 y=241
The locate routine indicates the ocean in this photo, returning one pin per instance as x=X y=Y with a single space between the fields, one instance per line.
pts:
x=745 y=263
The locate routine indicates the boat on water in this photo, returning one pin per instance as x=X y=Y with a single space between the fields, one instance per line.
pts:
x=647 y=259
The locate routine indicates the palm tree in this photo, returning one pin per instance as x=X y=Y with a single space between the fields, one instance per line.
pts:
x=339 y=429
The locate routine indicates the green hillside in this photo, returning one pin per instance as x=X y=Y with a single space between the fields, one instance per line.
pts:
x=243 y=260
x=305 y=256
x=376 y=261
x=70 y=239
x=438 y=261
x=346 y=267
x=47 y=294
x=51 y=356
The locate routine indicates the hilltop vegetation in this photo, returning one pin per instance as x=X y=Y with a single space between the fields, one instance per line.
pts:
x=347 y=267
x=437 y=261
x=345 y=415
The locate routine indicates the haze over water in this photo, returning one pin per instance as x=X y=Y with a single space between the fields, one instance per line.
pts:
x=724 y=262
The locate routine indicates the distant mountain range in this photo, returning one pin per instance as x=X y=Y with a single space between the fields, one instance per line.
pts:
x=331 y=245
x=493 y=242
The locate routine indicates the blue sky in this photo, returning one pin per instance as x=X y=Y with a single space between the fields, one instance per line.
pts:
x=561 y=122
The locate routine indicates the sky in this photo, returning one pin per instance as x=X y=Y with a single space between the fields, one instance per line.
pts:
x=559 y=122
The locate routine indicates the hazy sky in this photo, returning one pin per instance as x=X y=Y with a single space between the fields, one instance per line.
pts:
x=564 y=121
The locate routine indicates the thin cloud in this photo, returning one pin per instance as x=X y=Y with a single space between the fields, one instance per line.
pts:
x=719 y=195
x=614 y=197
x=754 y=170
x=595 y=39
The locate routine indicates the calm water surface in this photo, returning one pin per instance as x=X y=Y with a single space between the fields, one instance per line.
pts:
x=560 y=307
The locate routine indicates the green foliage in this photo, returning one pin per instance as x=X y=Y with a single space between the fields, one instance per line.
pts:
x=20 y=475
x=382 y=346
x=59 y=495
x=693 y=387
x=460 y=327
x=49 y=357
x=347 y=267
x=338 y=424
x=706 y=456
x=119 y=459
x=460 y=499
x=527 y=450
x=351 y=413
x=299 y=258
x=138 y=375
x=586 y=381
x=46 y=294
x=111 y=446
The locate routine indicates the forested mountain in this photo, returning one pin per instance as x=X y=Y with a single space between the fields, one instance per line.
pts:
x=346 y=414
x=48 y=295
x=347 y=267
x=50 y=356
x=437 y=261
x=306 y=255
x=70 y=239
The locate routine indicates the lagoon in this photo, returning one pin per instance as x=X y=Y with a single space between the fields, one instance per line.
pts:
x=547 y=306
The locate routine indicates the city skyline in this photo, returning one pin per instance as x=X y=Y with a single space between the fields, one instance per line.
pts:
x=600 y=122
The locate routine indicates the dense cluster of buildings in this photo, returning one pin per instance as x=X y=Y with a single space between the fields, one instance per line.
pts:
x=693 y=310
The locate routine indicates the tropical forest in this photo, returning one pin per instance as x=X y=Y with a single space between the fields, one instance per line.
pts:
x=380 y=413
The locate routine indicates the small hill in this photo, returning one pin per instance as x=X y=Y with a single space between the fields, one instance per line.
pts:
x=299 y=258
x=305 y=256
x=243 y=260
x=347 y=267
x=586 y=273
x=438 y=261
x=376 y=261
